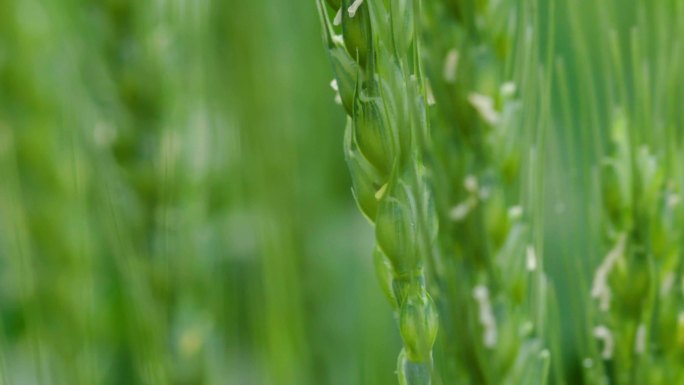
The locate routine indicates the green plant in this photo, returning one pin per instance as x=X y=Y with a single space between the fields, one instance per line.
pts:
x=473 y=163
x=487 y=154
x=636 y=298
x=173 y=209
x=379 y=78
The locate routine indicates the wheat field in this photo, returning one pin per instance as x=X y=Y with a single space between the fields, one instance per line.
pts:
x=412 y=192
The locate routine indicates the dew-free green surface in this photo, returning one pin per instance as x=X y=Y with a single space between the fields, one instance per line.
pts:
x=175 y=207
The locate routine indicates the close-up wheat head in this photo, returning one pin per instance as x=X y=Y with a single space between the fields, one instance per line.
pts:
x=411 y=192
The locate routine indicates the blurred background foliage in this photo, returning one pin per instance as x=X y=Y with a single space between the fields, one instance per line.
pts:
x=175 y=207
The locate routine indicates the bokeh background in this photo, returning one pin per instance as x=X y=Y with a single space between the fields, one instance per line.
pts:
x=175 y=207
x=174 y=204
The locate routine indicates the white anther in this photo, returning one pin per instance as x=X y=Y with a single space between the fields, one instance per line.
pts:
x=508 y=89
x=338 y=39
x=450 y=66
x=461 y=211
x=485 y=106
x=515 y=212
x=604 y=334
x=354 y=7
x=531 y=258
x=487 y=320
x=470 y=184
x=599 y=288
x=430 y=95
x=480 y=292
x=336 y=88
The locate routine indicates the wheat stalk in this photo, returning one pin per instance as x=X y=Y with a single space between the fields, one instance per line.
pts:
x=381 y=87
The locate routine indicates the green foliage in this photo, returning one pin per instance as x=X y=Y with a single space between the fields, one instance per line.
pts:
x=500 y=106
x=175 y=205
